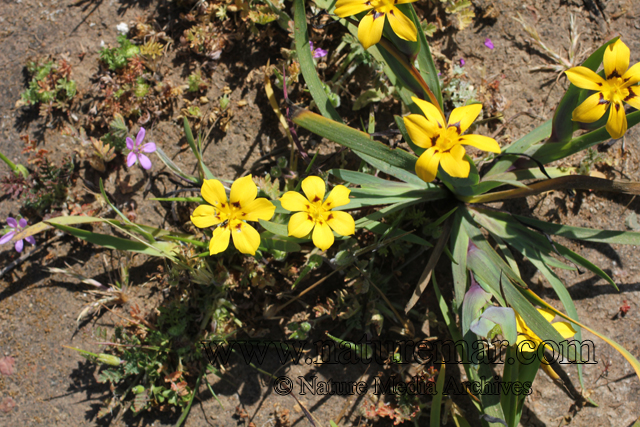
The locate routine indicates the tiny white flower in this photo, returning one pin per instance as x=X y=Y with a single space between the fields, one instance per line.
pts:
x=122 y=28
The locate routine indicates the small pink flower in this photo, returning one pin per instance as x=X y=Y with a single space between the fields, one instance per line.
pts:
x=462 y=62
x=488 y=43
x=317 y=53
x=16 y=227
x=137 y=148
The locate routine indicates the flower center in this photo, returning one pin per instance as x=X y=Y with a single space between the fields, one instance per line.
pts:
x=382 y=6
x=613 y=90
x=317 y=212
x=447 y=139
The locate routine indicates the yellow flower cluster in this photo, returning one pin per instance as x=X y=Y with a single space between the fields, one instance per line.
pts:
x=231 y=215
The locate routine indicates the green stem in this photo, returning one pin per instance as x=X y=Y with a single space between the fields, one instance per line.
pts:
x=9 y=162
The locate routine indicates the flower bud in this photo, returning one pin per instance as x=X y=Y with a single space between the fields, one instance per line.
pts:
x=109 y=359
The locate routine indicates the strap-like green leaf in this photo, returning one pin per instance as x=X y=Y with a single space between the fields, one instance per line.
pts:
x=307 y=66
x=582 y=233
x=159 y=249
x=352 y=138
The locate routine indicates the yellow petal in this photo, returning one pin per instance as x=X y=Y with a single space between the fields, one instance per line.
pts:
x=617 y=122
x=616 y=59
x=243 y=191
x=632 y=76
x=585 y=78
x=547 y=314
x=530 y=345
x=404 y=1
x=370 y=29
x=300 y=224
x=346 y=8
x=591 y=109
x=339 y=196
x=484 y=143
x=401 y=25
x=294 y=202
x=313 y=187
x=421 y=131
x=521 y=327
x=213 y=192
x=565 y=329
x=427 y=165
x=205 y=216
x=430 y=111
x=258 y=209
x=463 y=117
x=341 y=222
x=322 y=236
x=456 y=167
x=633 y=98
x=245 y=238
x=219 y=240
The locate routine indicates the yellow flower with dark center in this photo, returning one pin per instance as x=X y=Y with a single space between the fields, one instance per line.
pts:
x=315 y=214
x=525 y=334
x=618 y=86
x=444 y=144
x=231 y=214
x=370 y=27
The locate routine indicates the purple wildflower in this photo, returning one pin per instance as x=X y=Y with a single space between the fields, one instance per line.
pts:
x=16 y=227
x=138 y=148
x=318 y=53
x=462 y=62
x=488 y=43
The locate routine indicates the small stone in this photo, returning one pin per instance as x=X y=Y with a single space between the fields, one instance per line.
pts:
x=7 y=365
x=7 y=404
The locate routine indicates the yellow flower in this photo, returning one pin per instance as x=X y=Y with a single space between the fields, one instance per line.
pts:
x=313 y=214
x=525 y=334
x=444 y=144
x=619 y=86
x=242 y=206
x=370 y=28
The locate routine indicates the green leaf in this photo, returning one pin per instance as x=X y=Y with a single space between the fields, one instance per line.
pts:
x=502 y=316
x=159 y=249
x=436 y=403
x=366 y=180
x=204 y=170
x=307 y=66
x=569 y=306
x=352 y=138
x=428 y=69
x=569 y=254
x=475 y=300
x=523 y=174
x=270 y=243
x=402 y=174
x=491 y=271
x=173 y=167
x=582 y=233
x=547 y=153
x=520 y=146
x=380 y=228
x=459 y=246
x=277 y=229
